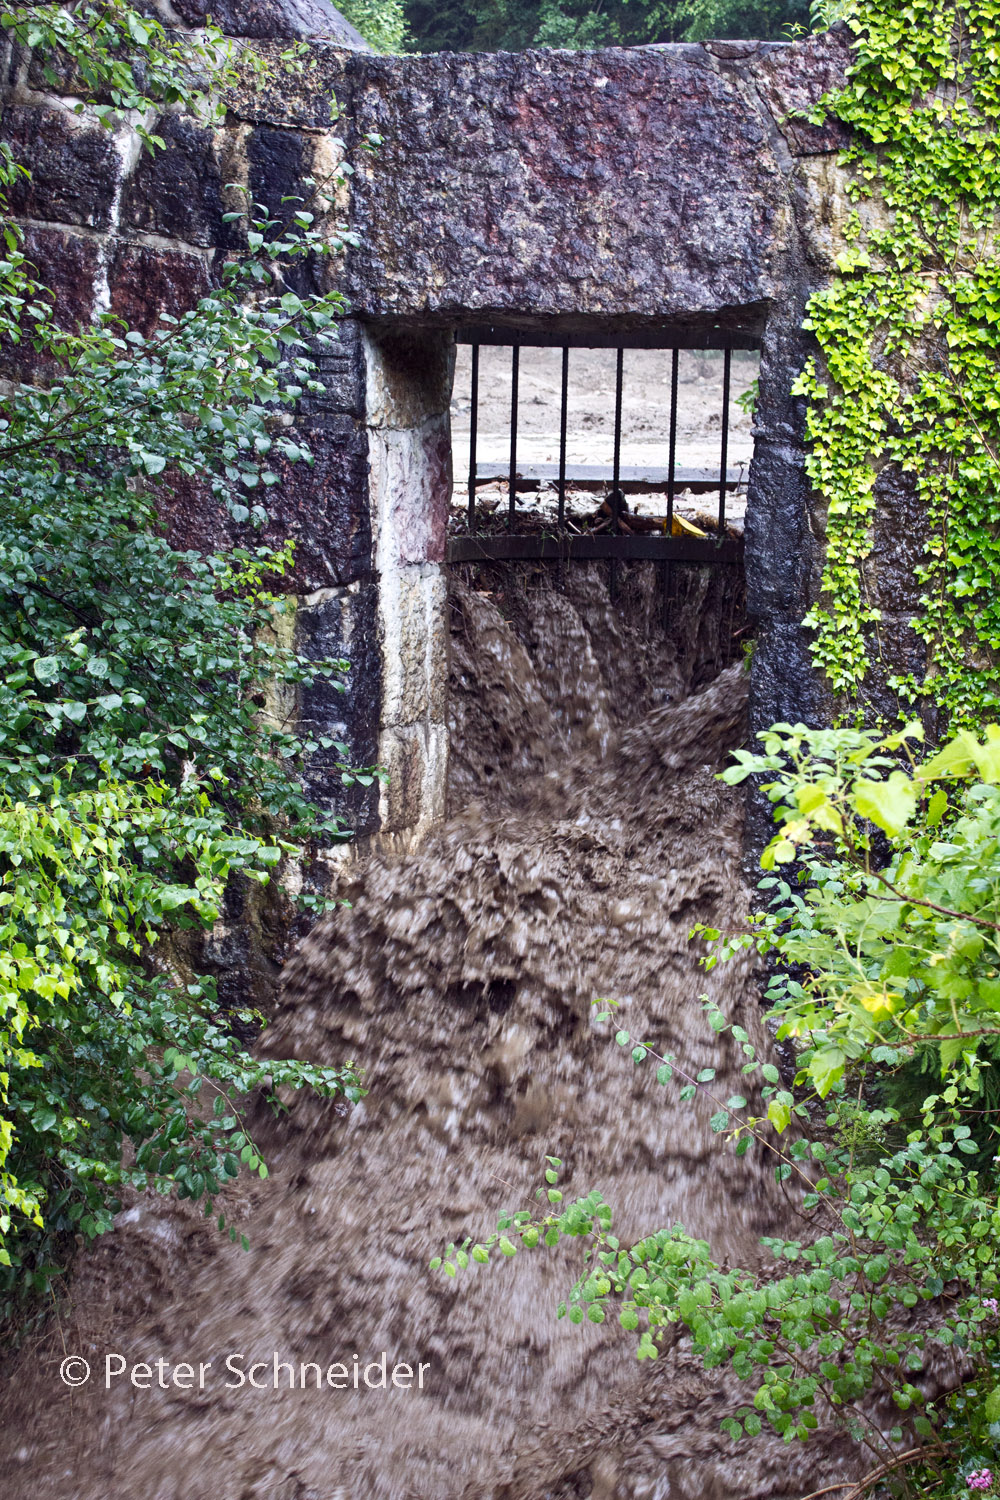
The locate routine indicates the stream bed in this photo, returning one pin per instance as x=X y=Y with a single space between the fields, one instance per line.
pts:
x=587 y=833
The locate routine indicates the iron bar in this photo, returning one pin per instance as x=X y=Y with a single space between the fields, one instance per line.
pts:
x=473 y=434
x=616 y=494
x=563 y=408
x=616 y=470
x=727 y=365
x=515 y=354
x=672 y=455
x=632 y=478
x=668 y=578
x=588 y=548
x=562 y=437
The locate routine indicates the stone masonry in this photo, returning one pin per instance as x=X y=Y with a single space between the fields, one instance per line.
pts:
x=627 y=190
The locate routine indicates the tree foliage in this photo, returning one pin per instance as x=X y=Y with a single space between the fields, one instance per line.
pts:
x=382 y=23
x=511 y=25
x=143 y=752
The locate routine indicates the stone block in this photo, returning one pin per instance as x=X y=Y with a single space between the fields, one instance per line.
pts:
x=333 y=623
x=778 y=544
x=144 y=283
x=894 y=650
x=411 y=485
x=413 y=626
x=266 y=20
x=342 y=369
x=74 y=163
x=178 y=192
x=792 y=79
x=413 y=800
x=277 y=160
x=785 y=686
x=409 y=377
x=324 y=506
x=620 y=183
x=69 y=265
x=822 y=208
x=899 y=540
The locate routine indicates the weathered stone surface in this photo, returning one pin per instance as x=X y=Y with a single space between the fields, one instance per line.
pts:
x=268 y=19
x=793 y=79
x=143 y=283
x=409 y=376
x=821 y=209
x=414 y=633
x=778 y=543
x=414 y=798
x=411 y=476
x=177 y=192
x=787 y=688
x=628 y=182
x=277 y=161
x=70 y=266
x=342 y=370
x=74 y=164
x=324 y=506
x=667 y=188
x=899 y=539
x=895 y=650
x=335 y=623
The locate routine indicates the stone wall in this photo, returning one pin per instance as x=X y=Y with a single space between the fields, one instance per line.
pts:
x=648 y=189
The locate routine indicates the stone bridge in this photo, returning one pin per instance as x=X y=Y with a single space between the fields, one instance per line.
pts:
x=659 y=189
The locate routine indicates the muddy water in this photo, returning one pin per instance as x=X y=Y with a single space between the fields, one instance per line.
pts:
x=587 y=834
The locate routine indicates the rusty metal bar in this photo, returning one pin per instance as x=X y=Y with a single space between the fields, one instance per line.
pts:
x=651 y=548
x=727 y=368
x=616 y=494
x=515 y=355
x=473 y=434
x=672 y=454
x=667 y=570
x=633 y=478
x=616 y=469
x=562 y=437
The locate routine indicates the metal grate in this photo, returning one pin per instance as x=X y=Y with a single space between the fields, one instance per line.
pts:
x=613 y=545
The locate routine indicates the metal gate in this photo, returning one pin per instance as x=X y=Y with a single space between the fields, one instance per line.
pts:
x=614 y=543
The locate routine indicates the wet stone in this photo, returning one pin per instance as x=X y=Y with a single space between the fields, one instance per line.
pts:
x=899 y=539
x=266 y=20
x=145 y=283
x=177 y=191
x=74 y=167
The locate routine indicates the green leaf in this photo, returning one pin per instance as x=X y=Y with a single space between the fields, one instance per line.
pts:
x=889 y=804
x=46 y=668
x=826 y=1068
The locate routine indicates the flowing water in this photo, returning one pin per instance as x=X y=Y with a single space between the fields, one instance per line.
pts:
x=587 y=833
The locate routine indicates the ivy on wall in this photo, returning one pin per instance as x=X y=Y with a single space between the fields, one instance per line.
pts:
x=908 y=331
